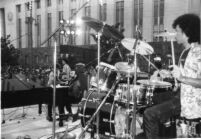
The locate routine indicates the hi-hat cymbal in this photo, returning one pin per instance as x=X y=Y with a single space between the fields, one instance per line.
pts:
x=166 y=34
x=142 y=48
x=154 y=83
x=108 y=30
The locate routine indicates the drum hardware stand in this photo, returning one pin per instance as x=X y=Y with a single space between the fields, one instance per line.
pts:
x=149 y=65
x=133 y=124
x=98 y=86
x=149 y=95
x=128 y=105
x=97 y=110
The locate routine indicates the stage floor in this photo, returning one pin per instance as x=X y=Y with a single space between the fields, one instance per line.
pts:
x=36 y=126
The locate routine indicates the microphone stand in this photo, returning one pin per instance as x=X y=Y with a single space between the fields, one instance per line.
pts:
x=54 y=63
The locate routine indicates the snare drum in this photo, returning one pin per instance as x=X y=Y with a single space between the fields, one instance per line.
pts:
x=152 y=88
x=107 y=76
x=121 y=95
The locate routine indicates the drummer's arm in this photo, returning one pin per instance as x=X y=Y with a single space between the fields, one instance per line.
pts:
x=195 y=82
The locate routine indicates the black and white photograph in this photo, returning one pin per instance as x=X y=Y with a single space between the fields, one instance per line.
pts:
x=100 y=69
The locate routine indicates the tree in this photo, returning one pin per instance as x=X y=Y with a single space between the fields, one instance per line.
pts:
x=9 y=54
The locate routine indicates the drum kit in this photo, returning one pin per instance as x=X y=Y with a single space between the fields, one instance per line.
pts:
x=126 y=96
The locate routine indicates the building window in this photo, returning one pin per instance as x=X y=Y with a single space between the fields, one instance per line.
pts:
x=37 y=4
x=158 y=18
x=46 y=59
x=103 y=12
x=138 y=10
x=48 y=3
x=18 y=8
x=61 y=13
x=49 y=27
x=19 y=24
x=38 y=30
x=73 y=12
x=60 y=16
x=28 y=31
x=87 y=12
x=27 y=6
x=61 y=1
x=36 y=59
x=26 y=60
x=120 y=12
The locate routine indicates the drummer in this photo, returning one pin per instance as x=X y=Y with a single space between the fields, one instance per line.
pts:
x=187 y=105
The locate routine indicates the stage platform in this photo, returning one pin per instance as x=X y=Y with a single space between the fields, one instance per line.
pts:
x=30 y=123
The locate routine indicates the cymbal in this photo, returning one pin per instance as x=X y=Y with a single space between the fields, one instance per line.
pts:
x=124 y=67
x=108 y=30
x=112 y=32
x=166 y=34
x=93 y=23
x=142 y=47
x=154 y=83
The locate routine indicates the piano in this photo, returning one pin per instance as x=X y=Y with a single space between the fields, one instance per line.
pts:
x=20 y=91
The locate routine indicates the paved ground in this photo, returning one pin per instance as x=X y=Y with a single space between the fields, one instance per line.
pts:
x=34 y=125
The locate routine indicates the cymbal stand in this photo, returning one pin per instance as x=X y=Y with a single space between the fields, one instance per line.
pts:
x=134 y=96
x=98 y=86
x=128 y=105
x=133 y=125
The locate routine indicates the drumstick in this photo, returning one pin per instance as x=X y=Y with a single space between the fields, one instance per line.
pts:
x=173 y=60
x=149 y=62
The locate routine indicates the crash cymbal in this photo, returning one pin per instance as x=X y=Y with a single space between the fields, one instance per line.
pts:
x=93 y=23
x=142 y=48
x=112 y=32
x=108 y=30
x=166 y=34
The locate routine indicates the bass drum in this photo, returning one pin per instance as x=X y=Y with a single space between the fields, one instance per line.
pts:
x=112 y=118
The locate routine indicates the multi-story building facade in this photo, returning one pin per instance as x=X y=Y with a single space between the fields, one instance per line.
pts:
x=30 y=22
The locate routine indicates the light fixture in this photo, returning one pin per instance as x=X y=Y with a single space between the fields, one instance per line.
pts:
x=67 y=21
x=72 y=22
x=68 y=32
x=78 y=32
x=61 y=21
x=62 y=32
x=78 y=21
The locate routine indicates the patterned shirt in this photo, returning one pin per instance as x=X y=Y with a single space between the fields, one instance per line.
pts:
x=191 y=96
x=67 y=70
